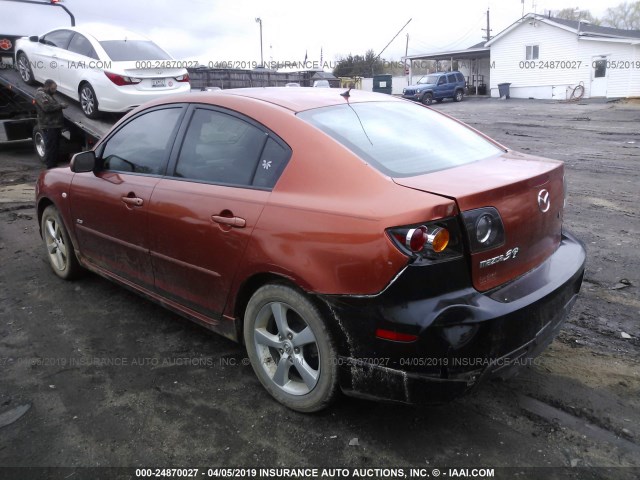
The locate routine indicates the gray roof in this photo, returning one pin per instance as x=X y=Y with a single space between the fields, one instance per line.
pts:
x=477 y=45
x=596 y=30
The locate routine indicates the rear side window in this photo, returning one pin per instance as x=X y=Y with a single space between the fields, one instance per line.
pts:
x=80 y=45
x=401 y=139
x=143 y=144
x=460 y=77
x=220 y=148
x=225 y=149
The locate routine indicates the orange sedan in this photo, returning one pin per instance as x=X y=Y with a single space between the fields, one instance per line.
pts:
x=351 y=241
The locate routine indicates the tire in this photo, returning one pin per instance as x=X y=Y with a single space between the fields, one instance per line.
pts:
x=24 y=69
x=427 y=98
x=88 y=101
x=38 y=143
x=60 y=251
x=458 y=96
x=290 y=348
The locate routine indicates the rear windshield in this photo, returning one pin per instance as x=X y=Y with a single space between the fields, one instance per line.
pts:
x=401 y=139
x=130 y=50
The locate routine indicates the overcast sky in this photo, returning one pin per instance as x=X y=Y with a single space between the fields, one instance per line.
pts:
x=214 y=31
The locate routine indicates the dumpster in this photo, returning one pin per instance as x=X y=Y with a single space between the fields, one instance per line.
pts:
x=503 y=90
x=382 y=84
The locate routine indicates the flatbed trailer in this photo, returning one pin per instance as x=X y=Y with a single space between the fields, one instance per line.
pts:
x=19 y=120
x=18 y=116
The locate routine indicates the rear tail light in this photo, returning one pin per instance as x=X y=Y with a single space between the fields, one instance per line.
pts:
x=484 y=228
x=183 y=78
x=416 y=238
x=433 y=241
x=438 y=239
x=121 y=80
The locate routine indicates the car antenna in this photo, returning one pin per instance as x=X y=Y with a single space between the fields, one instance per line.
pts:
x=346 y=94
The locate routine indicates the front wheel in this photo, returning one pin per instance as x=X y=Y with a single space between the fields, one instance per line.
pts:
x=60 y=251
x=427 y=99
x=458 y=96
x=290 y=348
x=89 y=101
x=24 y=68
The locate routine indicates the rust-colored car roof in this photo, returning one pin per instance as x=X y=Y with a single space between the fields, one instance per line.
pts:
x=307 y=98
x=296 y=100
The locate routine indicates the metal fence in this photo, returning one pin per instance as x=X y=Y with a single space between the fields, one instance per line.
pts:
x=227 y=78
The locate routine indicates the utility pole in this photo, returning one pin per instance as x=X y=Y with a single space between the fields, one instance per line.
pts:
x=488 y=29
x=407 y=71
x=259 y=20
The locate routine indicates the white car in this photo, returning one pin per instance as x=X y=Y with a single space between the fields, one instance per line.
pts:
x=104 y=68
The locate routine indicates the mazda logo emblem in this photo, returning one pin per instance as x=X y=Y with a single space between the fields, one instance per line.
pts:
x=544 y=202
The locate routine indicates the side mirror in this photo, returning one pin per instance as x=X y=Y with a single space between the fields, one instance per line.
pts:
x=83 y=162
x=34 y=38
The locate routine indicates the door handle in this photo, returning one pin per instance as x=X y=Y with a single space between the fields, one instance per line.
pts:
x=231 y=221
x=133 y=201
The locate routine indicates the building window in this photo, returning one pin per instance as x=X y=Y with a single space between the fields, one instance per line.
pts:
x=532 y=52
x=600 y=68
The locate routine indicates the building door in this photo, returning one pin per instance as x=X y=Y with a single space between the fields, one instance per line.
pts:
x=599 y=76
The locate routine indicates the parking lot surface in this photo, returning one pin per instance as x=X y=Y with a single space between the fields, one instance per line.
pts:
x=107 y=378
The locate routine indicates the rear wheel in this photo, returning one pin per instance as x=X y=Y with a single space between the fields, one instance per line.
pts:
x=290 y=348
x=89 y=101
x=60 y=251
x=458 y=96
x=39 y=143
x=427 y=99
x=24 y=68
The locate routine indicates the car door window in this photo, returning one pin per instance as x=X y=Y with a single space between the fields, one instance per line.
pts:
x=442 y=80
x=58 y=38
x=221 y=148
x=81 y=45
x=452 y=78
x=143 y=144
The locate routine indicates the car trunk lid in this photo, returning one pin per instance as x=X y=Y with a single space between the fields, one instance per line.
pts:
x=517 y=186
x=155 y=79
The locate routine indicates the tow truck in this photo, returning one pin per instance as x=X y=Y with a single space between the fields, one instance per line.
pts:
x=17 y=104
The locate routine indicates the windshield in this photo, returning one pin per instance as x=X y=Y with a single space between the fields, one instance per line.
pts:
x=130 y=50
x=428 y=79
x=401 y=139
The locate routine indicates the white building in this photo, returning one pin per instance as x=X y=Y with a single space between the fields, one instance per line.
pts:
x=544 y=57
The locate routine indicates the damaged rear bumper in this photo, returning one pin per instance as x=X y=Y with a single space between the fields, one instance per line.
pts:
x=463 y=336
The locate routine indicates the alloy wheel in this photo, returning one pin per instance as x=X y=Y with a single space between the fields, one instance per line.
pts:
x=55 y=242
x=87 y=100
x=287 y=348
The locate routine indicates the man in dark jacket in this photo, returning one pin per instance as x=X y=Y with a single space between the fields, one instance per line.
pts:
x=50 y=120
